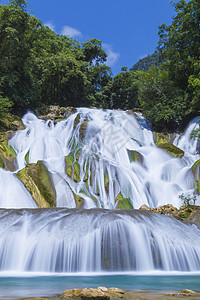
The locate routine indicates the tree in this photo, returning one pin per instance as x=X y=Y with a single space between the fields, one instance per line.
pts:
x=93 y=52
x=124 y=90
x=161 y=101
x=180 y=42
x=147 y=62
x=5 y=106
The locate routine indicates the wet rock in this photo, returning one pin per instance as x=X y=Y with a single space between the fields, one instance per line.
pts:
x=37 y=180
x=7 y=154
x=123 y=203
x=145 y=207
x=188 y=292
x=135 y=156
x=196 y=173
x=171 y=149
x=90 y=293
x=54 y=112
x=162 y=138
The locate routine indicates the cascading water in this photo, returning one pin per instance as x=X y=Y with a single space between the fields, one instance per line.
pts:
x=98 y=155
x=95 y=241
x=101 y=143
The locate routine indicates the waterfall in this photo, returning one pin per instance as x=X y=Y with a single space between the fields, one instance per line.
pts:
x=101 y=144
x=96 y=240
x=98 y=157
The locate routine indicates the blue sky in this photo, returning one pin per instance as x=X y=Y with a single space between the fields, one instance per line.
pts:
x=128 y=29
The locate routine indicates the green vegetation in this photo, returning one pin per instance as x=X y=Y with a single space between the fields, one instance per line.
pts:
x=147 y=62
x=39 y=67
x=188 y=200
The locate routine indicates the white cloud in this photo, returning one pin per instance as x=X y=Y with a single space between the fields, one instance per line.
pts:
x=50 y=25
x=112 y=57
x=70 y=31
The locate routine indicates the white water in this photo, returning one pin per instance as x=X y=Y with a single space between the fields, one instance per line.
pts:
x=60 y=240
x=157 y=179
x=95 y=241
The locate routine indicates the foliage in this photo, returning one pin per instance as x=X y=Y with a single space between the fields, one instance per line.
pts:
x=122 y=91
x=180 y=44
x=161 y=101
x=188 y=199
x=40 y=67
x=5 y=106
x=196 y=132
x=147 y=62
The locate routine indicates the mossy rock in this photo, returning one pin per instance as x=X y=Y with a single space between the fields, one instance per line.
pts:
x=2 y=165
x=134 y=156
x=162 y=138
x=82 y=131
x=76 y=121
x=123 y=203
x=172 y=149
x=196 y=170
x=77 y=172
x=11 y=123
x=79 y=201
x=8 y=156
x=196 y=173
x=37 y=180
x=106 y=182
x=69 y=159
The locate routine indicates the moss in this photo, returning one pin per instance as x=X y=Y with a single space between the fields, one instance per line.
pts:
x=27 y=157
x=2 y=165
x=76 y=121
x=106 y=182
x=79 y=201
x=134 y=156
x=123 y=203
x=184 y=214
x=86 y=174
x=172 y=149
x=198 y=187
x=69 y=171
x=83 y=130
x=77 y=172
x=196 y=164
x=69 y=159
x=7 y=153
x=37 y=180
x=160 y=138
x=77 y=155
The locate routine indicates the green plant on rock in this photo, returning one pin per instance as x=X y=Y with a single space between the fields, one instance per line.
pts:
x=188 y=199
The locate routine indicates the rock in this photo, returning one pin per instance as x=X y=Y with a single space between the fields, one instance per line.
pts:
x=72 y=167
x=7 y=154
x=196 y=173
x=54 y=112
x=135 y=156
x=161 y=138
x=145 y=207
x=37 y=180
x=171 y=149
x=123 y=203
x=189 y=292
x=91 y=293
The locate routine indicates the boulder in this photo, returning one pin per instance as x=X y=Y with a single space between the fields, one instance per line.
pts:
x=171 y=149
x=123 y=203
x=37 y=180
x=91 y=293
x=196 y=173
